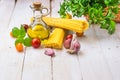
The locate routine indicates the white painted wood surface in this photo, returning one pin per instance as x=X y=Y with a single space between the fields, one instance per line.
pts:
x=65 y=66
x=99 y=58
x=6 y=9
x=37 y=66
x=93 y=64
x=111 y=50
x=10 y=61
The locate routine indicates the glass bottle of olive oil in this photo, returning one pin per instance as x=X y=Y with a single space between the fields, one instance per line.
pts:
x=38 y=26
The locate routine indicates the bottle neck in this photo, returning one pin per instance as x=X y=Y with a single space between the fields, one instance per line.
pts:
x=37 y=13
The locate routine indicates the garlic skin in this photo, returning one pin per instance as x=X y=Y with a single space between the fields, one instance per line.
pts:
x=49 y=52
x=75 y=47
x=67 y=43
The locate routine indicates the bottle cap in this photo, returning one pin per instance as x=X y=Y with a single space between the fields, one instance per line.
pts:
x=37 y=4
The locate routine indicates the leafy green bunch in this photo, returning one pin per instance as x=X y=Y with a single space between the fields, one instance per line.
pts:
x=100 y=12
x=20 y=35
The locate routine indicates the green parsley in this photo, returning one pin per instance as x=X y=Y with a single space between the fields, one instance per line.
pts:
x=95 y=9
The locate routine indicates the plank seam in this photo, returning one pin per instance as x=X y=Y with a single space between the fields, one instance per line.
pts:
x=52 y=68
x=15 y=1
x=77 y=55
x=12 y=14
x=103 y=53
x=50 y=7
x=51 y=57
x=23 y=63
x=117 y=34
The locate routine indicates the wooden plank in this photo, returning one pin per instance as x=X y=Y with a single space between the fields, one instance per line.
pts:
x=110 y=44
x=118 y=30
x=5 y=13
x=37 y=66
x=10 y=60
x=65 y=66
x=93 y=64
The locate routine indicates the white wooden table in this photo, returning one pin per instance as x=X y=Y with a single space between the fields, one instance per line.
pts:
x=99 y=58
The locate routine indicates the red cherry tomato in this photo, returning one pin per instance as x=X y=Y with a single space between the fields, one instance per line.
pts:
x=36 y=42
x=69 y=36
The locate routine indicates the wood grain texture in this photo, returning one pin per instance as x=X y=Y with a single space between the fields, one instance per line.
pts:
x=37 y=66
x=10 y=59
x=111 y=50
x=65 y=65
x=6 y=9
x=118 y=30
x=99 y=58
x=93 y=64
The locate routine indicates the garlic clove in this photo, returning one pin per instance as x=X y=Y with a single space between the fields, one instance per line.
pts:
x=49 y=52
x=75 y=46
x=67 y=43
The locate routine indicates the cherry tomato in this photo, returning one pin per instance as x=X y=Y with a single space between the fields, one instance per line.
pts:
x=36 y=42
x=69 y=36
x=11 y=34
x=19 y=47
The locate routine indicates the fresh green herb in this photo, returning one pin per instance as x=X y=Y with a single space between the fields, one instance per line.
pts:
x=19 y=32
x=100 y=12
x=19 y=40
x=27 y=41
x=22 y=32
x=20 y=35
x=15 y=32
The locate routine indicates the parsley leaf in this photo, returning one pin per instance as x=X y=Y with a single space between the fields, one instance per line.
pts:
x=100 y=12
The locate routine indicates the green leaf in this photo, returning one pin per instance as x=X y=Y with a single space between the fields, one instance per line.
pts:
x=15 y=32
x=111 y=28
x=106 y=2
x=95 y=9
x=27 y=41
x=22 y=32
x=19 y=40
